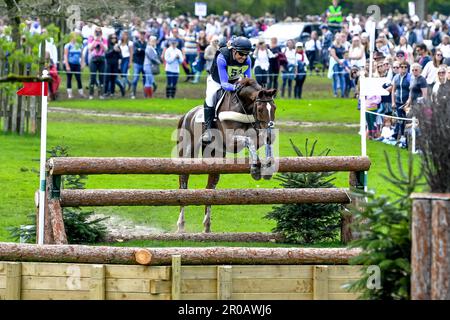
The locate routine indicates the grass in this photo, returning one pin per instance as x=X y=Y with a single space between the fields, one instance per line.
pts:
x=308 y=110
x=93 y=136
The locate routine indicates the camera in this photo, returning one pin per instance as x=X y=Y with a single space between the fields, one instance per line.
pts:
x=97 y=47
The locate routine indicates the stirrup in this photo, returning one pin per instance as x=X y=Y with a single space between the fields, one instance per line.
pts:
x=207 y=136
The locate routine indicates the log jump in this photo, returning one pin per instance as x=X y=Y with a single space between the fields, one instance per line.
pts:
x=163 y=256
x=57 y=198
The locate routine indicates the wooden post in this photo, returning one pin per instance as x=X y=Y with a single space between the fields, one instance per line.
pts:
x=176 y=277
x=421 y=250
x=440 y=262
x=320 y=283
x=224 y=282
x=13 y=280
x=97 y=284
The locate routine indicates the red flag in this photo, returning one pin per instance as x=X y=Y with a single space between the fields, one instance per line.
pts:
x=33 y=89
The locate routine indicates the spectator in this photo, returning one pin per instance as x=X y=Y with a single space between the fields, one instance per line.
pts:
x=430 y=70
x=190 y=50
x=327 y=42
x=55 y=79
x=372 y=103
x=445 y=48
x=139 y=47
x=347 y=70
x=313 y=48
x=210 y=52
x=418 y=88
x=289 y=68
x=400 y=96
x=440 y=81
x=151 y=58
x=334 y=15
x=126 y=49
x=300 y=69
x=202 y=44
x=173 y=57
x=356 y=53
x=422 y=53
x=73 y=61
x=337 y=66
x=97 y=46
x=112 y=56
x=275 y=63
x=262 y=55
x=405 y=50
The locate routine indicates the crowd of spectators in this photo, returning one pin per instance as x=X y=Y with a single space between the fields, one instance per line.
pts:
x=412 y=54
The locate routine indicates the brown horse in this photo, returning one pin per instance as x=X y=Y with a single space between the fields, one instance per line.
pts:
x=246 y=119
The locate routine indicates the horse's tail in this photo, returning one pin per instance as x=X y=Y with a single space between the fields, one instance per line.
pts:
x=179 y=127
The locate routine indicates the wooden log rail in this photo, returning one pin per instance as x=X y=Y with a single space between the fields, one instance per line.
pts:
x=184 y=197
x=69 y=165
x=163 y=256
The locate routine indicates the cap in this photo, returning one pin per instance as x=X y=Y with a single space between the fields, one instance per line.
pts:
x=299 y=44
x=400 y=53
x=324 y=26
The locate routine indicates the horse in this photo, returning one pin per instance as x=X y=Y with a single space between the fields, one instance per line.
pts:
x=246 y=118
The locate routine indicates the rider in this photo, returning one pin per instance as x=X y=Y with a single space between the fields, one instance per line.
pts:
x=229 y=65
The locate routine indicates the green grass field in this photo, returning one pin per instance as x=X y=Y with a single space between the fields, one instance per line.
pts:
x=123 y=136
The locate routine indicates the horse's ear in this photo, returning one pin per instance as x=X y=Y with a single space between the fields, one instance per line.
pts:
x=271 y=92
x=261 y=94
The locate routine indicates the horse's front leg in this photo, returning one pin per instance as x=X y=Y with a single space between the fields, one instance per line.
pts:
x=213 y=180
x=248 y=143
x=268 y=167
x=183 y=179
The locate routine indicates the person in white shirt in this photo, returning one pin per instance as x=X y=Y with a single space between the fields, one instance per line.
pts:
x=444 y=46
x=126 y=48
x=288 y=70
x=312 y=49
x=407 y=50
x=430 y=70
x=357 y=53
x=262 y=55
x=441 y=80
x=173 y=58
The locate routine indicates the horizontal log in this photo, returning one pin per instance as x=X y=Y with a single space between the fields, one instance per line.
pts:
x=62 y=166
x=184 y=197
x=221 y=236
x=163 y=256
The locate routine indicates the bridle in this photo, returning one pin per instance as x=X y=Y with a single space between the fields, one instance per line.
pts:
x=256 y=125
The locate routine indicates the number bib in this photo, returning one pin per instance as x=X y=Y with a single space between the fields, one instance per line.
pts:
x=236 y=72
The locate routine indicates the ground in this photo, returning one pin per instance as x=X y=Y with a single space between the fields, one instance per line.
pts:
x=144 y=128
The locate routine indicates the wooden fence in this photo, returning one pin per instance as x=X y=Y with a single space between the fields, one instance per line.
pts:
x=74 y=281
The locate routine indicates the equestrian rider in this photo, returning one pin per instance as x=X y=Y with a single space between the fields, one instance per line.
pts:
x=228 y=67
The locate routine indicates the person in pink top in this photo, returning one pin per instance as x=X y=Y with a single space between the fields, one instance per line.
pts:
x=97 y=45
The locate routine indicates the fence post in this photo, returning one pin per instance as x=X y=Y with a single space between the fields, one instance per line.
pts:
x=13 y=280
x=224 y=282
x=413 y=135
x=176 y=277
x=97 y=285
x=320 y=283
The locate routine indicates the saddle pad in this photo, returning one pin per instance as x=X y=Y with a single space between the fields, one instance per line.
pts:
x=236 y=116
x=199 y=116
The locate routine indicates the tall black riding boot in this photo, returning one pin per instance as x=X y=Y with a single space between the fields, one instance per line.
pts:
x=209 y=113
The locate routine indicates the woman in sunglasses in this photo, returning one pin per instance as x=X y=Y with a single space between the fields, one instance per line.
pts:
x=229 y=65
x=431 y=68
x=440 y=81
x=419 y=87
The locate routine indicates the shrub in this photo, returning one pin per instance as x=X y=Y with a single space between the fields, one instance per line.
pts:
x=385 y=226
x=307 y=223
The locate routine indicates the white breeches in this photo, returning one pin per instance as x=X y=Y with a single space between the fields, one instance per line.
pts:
x=211 y=89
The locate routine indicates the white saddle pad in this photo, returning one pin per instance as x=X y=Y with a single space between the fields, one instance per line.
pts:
x=226 y=115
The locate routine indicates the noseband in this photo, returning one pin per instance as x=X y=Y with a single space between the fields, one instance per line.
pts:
x=256 y=124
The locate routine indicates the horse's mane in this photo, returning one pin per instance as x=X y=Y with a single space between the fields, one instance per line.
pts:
x=249 y=82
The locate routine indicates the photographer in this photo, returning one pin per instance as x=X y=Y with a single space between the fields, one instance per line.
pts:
x=262 y=56
x=113 y=55
x=97 y=46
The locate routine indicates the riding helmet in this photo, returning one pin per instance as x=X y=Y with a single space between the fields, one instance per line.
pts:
x=242 y=44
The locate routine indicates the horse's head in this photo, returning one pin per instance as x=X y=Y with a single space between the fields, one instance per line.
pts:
x=258 y=102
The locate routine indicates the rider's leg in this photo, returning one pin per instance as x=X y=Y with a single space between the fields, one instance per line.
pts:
x=209 y=108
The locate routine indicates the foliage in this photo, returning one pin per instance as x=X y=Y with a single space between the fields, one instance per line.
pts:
x=384 y=226
x=307 y=223
x=433 y=139
x=79 y=225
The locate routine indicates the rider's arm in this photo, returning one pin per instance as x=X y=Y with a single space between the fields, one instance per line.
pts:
x=247 y=72
x=223 y=75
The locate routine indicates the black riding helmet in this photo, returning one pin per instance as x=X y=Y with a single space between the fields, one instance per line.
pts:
x=242 y=44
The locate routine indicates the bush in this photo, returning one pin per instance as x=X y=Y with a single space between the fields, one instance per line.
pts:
x=79 y=226
x=307 y=223
x=385 y=226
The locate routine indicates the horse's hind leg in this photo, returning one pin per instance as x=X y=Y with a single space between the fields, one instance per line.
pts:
x=213 y=180
x=183 y=179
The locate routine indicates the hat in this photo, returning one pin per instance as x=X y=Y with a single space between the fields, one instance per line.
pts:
x=299 y=44
x=378 y=55
x=324 y=26
x=400 y=53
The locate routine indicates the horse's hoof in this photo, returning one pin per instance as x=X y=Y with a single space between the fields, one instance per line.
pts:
x=255 y=172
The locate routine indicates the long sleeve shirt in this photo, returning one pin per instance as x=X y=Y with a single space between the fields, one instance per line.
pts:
x=235 y=72
x=173 y=58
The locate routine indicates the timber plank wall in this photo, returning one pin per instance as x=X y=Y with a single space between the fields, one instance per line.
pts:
x=70 y=281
